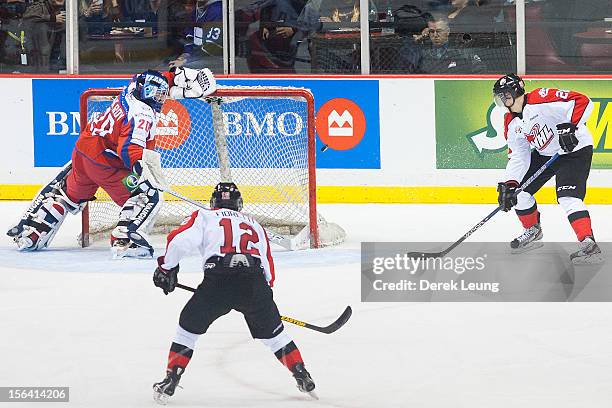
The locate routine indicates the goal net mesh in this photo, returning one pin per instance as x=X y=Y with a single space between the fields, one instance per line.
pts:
x=258 y=138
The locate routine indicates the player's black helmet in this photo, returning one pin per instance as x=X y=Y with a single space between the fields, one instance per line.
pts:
x=507 y=89
x=226 y=195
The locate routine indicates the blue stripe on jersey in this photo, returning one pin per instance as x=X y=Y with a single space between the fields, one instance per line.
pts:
x=125 y=155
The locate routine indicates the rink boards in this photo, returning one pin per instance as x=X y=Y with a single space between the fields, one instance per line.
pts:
x=405 y=140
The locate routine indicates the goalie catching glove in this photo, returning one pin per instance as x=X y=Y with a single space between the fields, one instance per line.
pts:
x=165 y=279
x=192 y=83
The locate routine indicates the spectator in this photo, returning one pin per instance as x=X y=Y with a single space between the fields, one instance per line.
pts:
x=203 y=42
x=46 y=22
x=12 y=36
x=440 y=56
x=273 y=46
x=94 y=20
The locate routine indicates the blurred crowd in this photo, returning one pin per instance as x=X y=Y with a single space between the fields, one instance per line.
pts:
x=277 y=36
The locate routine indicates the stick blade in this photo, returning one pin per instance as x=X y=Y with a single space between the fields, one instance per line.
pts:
x=340 y=321
x=415 y=255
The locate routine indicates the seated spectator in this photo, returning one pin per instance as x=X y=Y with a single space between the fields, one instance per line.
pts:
x=441 y=56
x=13 y=55
x=335 y=53
x=46 y=22
x=203 y=43
x=273 y=46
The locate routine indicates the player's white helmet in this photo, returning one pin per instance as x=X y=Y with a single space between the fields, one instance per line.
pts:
x=151 y=88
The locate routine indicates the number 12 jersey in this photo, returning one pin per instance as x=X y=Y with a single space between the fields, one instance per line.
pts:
x=219 y=232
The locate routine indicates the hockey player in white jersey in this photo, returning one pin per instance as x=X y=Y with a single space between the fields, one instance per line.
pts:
x=238 y=274
x=537 y=125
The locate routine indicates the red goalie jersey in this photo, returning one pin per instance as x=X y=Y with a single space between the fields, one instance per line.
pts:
x=116 y=137
x=217 y=233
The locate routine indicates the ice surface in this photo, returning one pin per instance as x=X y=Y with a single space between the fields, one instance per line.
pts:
x=73 y=317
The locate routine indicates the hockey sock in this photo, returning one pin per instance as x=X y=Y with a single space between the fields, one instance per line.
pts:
x=529 y=217
x=289 y=355
x=581 y=223
x=179 y=356
x=284 y=349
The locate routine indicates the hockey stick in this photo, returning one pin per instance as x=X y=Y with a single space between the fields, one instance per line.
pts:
x=340 y=321
x=485 y=219
x=287 y=243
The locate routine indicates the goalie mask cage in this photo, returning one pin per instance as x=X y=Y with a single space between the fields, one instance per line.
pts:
x=261 y=138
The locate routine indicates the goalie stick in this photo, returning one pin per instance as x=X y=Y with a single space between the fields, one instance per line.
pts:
x=485 y=219
x=340 y=321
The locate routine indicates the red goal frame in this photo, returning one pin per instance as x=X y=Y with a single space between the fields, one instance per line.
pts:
x=235 y=92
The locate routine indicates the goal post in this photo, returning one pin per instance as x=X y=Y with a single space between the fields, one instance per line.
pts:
x=261 y=138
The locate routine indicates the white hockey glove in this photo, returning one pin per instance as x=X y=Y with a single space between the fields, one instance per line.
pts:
x=192 y=83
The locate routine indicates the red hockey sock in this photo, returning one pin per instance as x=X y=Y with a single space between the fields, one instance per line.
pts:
x=529 y=217
x=289 y=355
x=581 y=223
x=179 y=356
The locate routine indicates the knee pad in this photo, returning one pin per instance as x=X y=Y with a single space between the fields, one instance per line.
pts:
x=185 y=337
x=572 y=204
x=277 y=342
x=524 y=201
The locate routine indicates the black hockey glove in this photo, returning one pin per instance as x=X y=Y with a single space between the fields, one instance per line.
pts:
x=165 y=279
x=567 y=136
x=507 y=194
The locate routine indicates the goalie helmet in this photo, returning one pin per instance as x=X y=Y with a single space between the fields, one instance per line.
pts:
x=506 y=89
x=226 y=195
x=151 y=88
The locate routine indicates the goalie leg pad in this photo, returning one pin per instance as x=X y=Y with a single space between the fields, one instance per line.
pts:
x=136 y=219
x=47 y=191
x=40 y=227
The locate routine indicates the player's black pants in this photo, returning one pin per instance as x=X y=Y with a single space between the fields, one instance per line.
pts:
x=571 y=171
x=222 y=291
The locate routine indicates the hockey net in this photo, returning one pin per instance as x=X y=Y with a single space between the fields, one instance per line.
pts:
x=261 y=138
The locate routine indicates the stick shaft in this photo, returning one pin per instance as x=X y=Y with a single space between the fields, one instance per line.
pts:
x=327 y=329
x=527 y=182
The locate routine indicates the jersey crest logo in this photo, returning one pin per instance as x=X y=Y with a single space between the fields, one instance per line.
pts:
x=543 y=92
x=538 y=137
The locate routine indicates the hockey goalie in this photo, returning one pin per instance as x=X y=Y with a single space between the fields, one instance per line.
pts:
x=115 y=152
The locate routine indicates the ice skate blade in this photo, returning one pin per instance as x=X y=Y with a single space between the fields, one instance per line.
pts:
x=595 y=259
x=530 y=247
x=160 y=398
x=313 y=395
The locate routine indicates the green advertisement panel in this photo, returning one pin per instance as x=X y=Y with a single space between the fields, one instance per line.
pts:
x=469 y=128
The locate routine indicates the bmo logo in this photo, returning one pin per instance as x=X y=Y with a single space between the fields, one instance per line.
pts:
x=63 y=123
x=270 y=123
x=340 y=124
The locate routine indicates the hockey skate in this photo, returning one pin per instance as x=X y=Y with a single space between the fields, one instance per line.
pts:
x=124 y=248
x=129 y=245
x=588 y=254
x=303 y=379
x=163 y=390
x=530 y=239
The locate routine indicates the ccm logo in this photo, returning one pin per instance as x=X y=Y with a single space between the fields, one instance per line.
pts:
x=560 y=188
